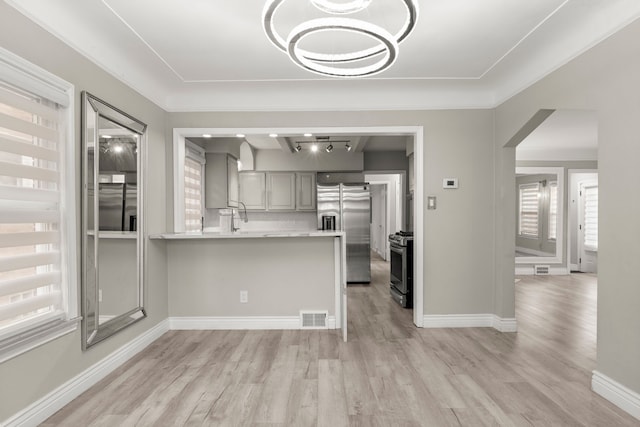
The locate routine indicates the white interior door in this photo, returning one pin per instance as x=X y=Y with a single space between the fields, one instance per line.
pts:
x=588 y=227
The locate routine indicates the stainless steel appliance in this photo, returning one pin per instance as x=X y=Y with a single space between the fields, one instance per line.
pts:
x=328 y=222
x=350 y=205
x=111 y=205
x=401 y=271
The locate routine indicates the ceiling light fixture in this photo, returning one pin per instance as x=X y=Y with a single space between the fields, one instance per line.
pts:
x=347 y=147
x=240 y=135
x=314 y=148
x=308 y=135
x=386 y=44
x=329 y=148
x=273 y=135
x=298 y=148
x=206 y=135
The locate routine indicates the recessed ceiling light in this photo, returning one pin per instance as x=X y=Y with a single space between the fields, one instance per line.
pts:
x=240 y=135
x=206 y=135
x=314 y=148
x=308 y=135
x=107 y=136
x=273 y=135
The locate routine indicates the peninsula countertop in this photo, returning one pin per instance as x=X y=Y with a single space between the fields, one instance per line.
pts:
x=247 y=234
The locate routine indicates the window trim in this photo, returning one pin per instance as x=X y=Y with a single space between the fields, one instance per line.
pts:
x=561 y=237
x=522 y=187
x=32 y=78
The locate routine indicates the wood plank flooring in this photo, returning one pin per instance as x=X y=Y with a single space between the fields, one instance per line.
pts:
x=388 y=374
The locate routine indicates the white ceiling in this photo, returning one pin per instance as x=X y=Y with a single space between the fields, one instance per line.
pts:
x=564 y=135
x=213 y=54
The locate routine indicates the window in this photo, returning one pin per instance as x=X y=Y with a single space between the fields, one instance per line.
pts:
x=37 y=207
x=194 y=161
x=590 y=197
x=553 y=209
x=528 y=211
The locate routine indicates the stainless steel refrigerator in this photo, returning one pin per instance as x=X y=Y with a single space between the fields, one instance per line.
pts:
x=350 y=205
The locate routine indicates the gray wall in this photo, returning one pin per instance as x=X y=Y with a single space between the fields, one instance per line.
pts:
x=386 y=160
x=605 y=79
x=30 y=376
x=457 y=143
x=286 y=275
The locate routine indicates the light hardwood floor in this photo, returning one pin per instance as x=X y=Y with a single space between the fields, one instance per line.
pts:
x=388 y=374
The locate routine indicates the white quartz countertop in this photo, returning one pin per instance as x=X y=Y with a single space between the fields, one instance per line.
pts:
x=247 y=234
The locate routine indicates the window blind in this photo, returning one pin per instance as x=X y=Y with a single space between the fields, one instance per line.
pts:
x=553 y=210
x=31 y=152
x=529 y=210
x=590 y=198
x=192 y=194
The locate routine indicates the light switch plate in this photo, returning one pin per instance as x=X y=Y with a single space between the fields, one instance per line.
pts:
x=450 y=183
x=431 y=202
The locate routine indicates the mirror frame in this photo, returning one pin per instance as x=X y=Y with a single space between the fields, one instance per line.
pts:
x=92 y=331
x=557 y=258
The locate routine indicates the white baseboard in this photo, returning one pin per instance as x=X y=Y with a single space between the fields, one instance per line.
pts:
x=621 y=396
x=553 y=271
x=43 y=408
x=251 y=322
x=470 y=321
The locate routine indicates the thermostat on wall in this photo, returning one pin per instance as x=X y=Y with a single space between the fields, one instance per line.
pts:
x=450 y=183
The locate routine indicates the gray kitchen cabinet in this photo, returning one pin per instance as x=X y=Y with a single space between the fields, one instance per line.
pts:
x=253 y=190
x=221 y=181
x=281 y=191
x=305 y=191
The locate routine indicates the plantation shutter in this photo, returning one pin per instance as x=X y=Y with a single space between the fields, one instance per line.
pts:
x=529 y=210
x=590 y=198
x=193 y=162
x=31 y=153
x=553 y=209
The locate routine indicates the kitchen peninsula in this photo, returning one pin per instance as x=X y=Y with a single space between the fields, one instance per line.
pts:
x=255 y=279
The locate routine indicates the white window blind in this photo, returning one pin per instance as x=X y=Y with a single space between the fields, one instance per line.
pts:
x=553 y=209
x=193 y=214
x=31 y=153
x=590 y=197
x=528 y=217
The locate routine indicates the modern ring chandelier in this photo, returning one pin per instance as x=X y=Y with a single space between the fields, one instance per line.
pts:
x=340 y=64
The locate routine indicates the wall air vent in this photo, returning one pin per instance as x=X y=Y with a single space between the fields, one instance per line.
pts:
x=313 y=319
x=541 y=270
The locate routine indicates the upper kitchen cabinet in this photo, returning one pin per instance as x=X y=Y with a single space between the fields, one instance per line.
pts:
x=305 y=191
x=281 y=191
x=221 y=181
x=253 y=190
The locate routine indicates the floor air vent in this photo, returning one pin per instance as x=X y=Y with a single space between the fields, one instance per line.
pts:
x=541 y=270
x=313 y=319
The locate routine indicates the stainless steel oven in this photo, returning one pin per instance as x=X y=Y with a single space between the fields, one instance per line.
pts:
x=401 y=269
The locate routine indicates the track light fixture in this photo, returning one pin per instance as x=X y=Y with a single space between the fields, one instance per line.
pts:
x=347 y=147
x=298 y=148
x=318 y=143
x=329 y=148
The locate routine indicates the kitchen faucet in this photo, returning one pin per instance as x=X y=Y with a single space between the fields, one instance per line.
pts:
x=245 y=219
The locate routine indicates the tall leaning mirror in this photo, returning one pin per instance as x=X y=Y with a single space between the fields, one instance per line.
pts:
x=112 y=220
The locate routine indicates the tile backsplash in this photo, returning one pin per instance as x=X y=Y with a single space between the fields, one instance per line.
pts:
x=266 y=221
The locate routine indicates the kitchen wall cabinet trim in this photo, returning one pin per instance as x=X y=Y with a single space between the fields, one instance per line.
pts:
x=221 y=181
x=281 y=191
x=305 y=191
x=253 y=190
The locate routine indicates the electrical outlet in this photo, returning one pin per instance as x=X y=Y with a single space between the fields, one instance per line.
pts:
x=244 y=296
x=99 y=295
